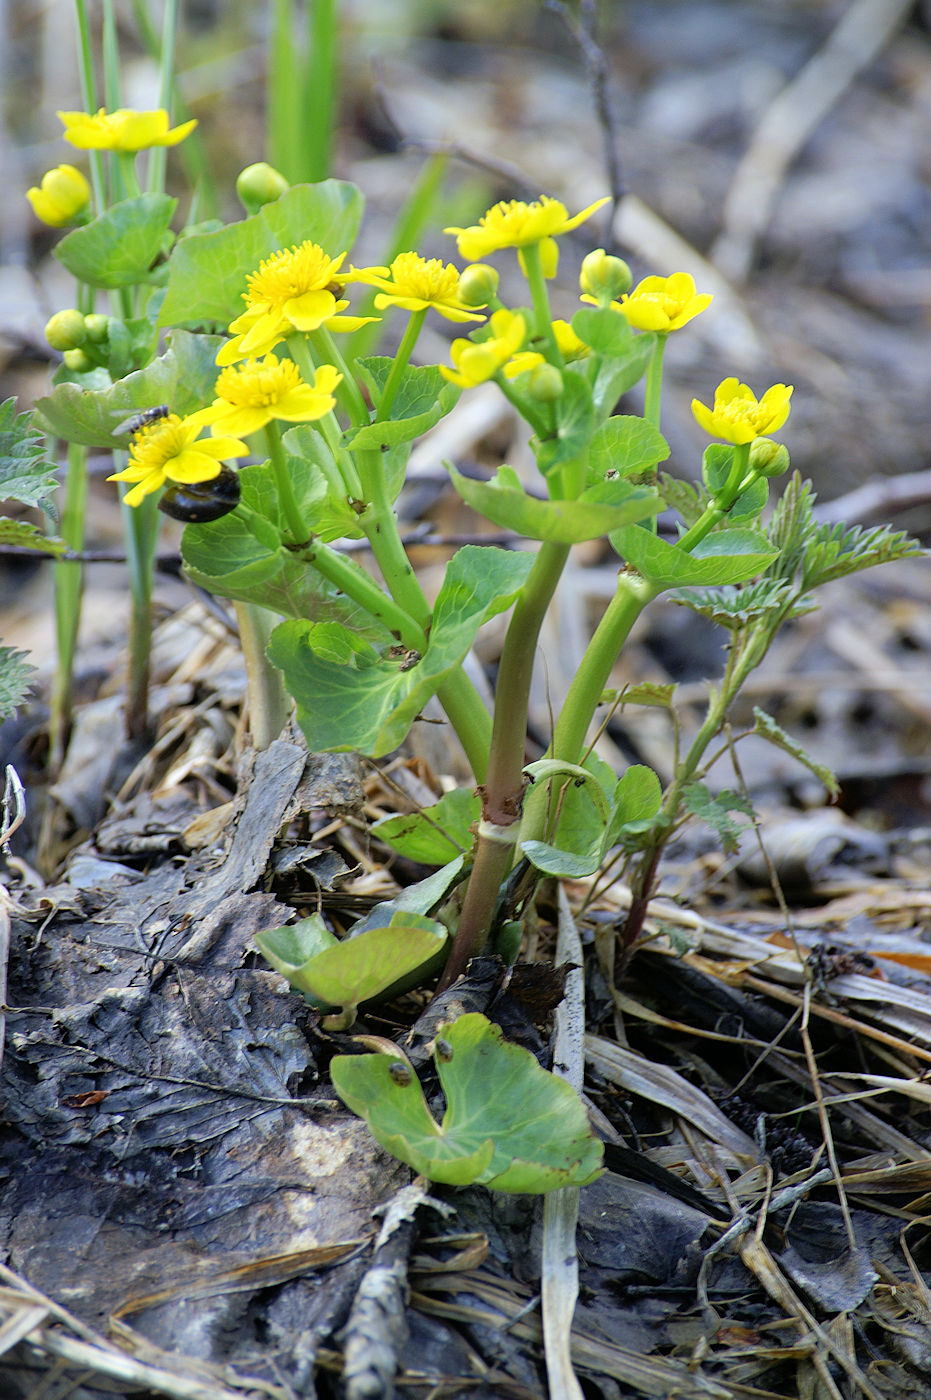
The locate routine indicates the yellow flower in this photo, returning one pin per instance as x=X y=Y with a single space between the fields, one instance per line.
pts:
x=251 y=394
x=167 y=451
x=415 y=284
x=570 y=347
x=60 y=197
x=661 y=303
x=296 y=289
x=737 y=417
x=476 y=363
x=514 y=224
x=122 y=130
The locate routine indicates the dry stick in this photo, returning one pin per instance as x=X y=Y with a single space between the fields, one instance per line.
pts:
x=826 y=1133
x=790 y=119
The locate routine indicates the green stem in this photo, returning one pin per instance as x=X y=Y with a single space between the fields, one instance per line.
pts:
x=268 y=703
x=401 y=360
x=348 y=392
x=286 y=498
x=140 y=529
x=328 y=427
x=653 y=387
x=502 y=796
x=533 y=268
x=155 y=173
x=284 y=93
x=69 y=587
x=351 y=580
x=319 y=89
x=738 y=480
x=632 y=595
x=89 y=98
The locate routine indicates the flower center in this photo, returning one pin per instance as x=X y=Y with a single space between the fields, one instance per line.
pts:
x=289 y=273
x=428 y=280
x=157 y=443
x=258 y=383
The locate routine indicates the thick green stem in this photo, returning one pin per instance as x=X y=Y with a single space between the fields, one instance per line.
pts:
x=319 y=89
x=631 y=597
x=739 y=478
x=268 y=703
x=348 y=392
x=140 y=526
x=69 y=587
x=502 y=796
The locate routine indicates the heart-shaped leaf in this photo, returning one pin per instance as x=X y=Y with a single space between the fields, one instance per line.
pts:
x=509 y=1124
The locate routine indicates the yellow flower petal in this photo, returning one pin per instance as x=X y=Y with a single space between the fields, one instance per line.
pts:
x=737 y=417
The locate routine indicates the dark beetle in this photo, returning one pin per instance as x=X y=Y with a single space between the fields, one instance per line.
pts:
x=198 y=502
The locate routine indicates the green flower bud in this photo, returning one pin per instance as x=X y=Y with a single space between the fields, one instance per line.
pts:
x=544 y=383
x=97 y=327
x=604 y=277
x=78 y=361
x=260 y=184
x=478 y=285
x=768 y=458
x=66 y=330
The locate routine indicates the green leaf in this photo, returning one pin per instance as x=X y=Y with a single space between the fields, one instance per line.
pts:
x=602 y=507
x=183 y=378
x=420 y=898
x=226 y=558
x=606 y=331
x=725 y=556
x=653 y=693
x=322 y=499
x=434 y=834
x=422 y=399
x=358 y=968
x=596 y=816
x=716 y=812
x=509 y=1124
x=118 y=248
x=574 y=413
x=25 y=535
x=368 y=702
x=625 y=444
x=637 y=800
x=15 y=680
x=25 y=473
x=681 y=496
x=737 y=607
x=766 y=727
x=207 y=272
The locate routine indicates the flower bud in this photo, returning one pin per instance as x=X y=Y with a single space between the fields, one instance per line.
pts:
x=604 y=277
x=544 y=383
x=78 y=361
x=478 y=285
x=260 y=184
x=768 y=458
x=66 y=330
x=61 y=198
x=97 y=327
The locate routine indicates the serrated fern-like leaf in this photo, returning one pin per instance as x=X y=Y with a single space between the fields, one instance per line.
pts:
x=25 y=474
x=15 y=680
x=766 y=727
x=736 y=606
x=813 y=553
x=716 y=812
x=25 y=535
x=682 y=496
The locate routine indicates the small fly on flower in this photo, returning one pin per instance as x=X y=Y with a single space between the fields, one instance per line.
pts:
x=133 y=424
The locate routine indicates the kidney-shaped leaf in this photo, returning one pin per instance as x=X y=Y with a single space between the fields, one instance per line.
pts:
x=434 y=834
x=509 y=1124
x=347 y=972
